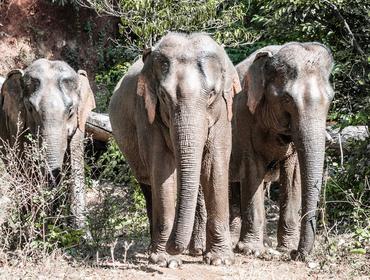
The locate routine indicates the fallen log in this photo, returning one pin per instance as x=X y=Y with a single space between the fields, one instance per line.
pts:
x=340 y=139
x=98 y=125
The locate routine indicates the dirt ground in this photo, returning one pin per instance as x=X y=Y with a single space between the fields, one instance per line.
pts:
x=137 y=267
x=331 y=258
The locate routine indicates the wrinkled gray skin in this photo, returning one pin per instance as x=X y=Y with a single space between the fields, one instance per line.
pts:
x=171 y=115
x=279 y=134
x=50 y=99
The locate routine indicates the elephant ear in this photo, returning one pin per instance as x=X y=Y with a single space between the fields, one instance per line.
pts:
x=12 y=105
x=144 y=89
x=232 y=87
x=254 y=81
x=87 y=100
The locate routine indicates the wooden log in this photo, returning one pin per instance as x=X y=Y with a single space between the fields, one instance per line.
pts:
x=99 y=127
x=336 y=138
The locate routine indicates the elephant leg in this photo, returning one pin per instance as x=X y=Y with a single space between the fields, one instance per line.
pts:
x=290 y=204
x=215 y=186
x=198 y=238
x=235 y=215
x=252 y=210
x=147 y=192
x=266 y=239
x=78 y=182
x=164 y=208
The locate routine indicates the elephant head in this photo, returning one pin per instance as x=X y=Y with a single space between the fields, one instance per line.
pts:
x=288 y=88
x=187 y=82
x=48 y=99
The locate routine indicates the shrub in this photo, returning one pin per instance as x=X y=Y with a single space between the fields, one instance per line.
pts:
x=34 y=216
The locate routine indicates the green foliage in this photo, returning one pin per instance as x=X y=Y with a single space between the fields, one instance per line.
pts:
x=349 y=188
x=323 y=21
x=114 y=166
x=106 y=81
x=119 y=211
x=144 y=22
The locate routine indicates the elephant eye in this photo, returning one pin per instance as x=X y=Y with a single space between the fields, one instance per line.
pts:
x=71 y=111
x=69 y=83
x=286 y=98
x=165 y=66
x=31 y=84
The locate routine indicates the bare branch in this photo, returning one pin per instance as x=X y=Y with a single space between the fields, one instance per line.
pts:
x=353 y=40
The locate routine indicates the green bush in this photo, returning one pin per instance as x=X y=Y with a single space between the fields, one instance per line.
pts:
x=348 y=191
x=121 y=209
x=106 y=81
x=34 y=217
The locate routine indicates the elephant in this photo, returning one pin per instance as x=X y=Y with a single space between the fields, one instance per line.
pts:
x=279 y=135
x=49 y=99
x=171 y=117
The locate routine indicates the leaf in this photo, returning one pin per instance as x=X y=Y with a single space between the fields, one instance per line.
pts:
x=360 y=251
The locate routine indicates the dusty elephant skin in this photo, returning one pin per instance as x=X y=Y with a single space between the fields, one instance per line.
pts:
x=50 y=99
x=171 y=115
x=279 y=133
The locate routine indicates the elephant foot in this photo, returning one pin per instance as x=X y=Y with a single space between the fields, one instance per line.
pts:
x=285 y=249
x=250 y=248
x=174 y=249
x=218 y=259
x=195 y=251
x=165 y=260
x=197 y=246
x=296 y=255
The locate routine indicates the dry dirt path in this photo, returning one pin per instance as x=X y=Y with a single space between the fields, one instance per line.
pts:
x=349 y=267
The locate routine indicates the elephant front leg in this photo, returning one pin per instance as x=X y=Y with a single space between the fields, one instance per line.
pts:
x=290 y=204
x=163 y=213
x=253 y=211
x=215 y=186
x=78 y=183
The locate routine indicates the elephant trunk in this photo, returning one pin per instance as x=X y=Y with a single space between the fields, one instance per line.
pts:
x=310 y=142
x=55 y=146
x=190 y=134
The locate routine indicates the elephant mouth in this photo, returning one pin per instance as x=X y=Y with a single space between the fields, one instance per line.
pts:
x=54 y=177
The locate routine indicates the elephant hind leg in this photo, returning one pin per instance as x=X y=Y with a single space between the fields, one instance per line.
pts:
x=252 y=209
x=198 y=239
x=235 y=212
x=147 y=191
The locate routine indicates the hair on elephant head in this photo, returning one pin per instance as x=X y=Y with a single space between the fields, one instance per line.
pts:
x=49 y=99
x=288 y=89
x=188 y=83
